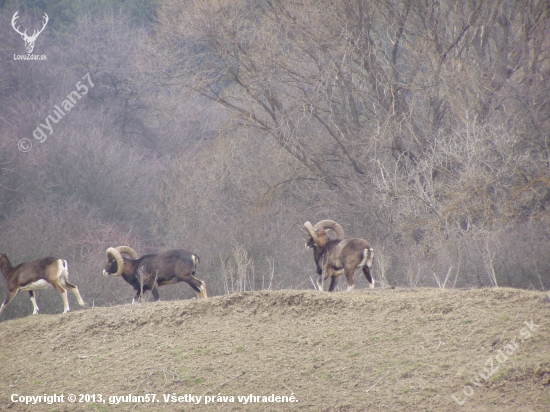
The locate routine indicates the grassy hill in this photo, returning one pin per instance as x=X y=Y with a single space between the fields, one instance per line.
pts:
x=391 y=350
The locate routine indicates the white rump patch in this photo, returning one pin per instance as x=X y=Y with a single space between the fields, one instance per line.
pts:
x=369 y=255
x=39 y=284
x=62 y=268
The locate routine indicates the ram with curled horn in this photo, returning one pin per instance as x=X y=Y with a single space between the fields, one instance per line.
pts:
x=151 y=271
x=337 y=257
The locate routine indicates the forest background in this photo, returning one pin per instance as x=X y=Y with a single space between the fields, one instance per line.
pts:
x=221 y=126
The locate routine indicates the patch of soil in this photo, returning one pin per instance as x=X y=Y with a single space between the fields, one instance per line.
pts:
x=394 y=350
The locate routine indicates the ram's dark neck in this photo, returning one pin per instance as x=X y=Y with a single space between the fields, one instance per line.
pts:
x=5 y=265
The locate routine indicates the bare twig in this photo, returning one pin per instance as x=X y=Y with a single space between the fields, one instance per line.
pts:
x=272 y=273
x=224 y=383
x=313 y=283
x=15 y=383
x=375 y=383
x=143 y=381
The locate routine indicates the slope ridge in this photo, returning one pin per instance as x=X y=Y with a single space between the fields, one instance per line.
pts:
x=368 y=350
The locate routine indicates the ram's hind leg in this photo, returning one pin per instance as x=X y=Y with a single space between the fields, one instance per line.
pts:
x=198 y=286
x=203 y=294
x=55 y=283
x=68 y=285
x=76 y=292
x=55 y=276
x=366 y=271
x=367 y=263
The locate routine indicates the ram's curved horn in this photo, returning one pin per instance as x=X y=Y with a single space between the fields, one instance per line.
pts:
x=115 y=254
x=129 y=251
x=331 y=224
x=312 y=232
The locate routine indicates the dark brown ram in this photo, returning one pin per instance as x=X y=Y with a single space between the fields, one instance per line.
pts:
x=336 y=257
x=151 y=271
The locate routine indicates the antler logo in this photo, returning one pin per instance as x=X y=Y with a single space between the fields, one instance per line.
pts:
x=29 y=40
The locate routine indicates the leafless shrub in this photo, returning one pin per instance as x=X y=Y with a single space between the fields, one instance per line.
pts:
x=238 y=271
x=422 y=129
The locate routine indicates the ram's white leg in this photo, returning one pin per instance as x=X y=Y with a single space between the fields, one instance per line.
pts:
x=65 y=302
x=34 y=305
x=31 y=287
x=203 y=294
x=64 y=281
x=59 y=282
x=10 y=296
x=78 y=297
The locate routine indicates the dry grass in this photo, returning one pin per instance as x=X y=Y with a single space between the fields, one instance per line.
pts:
x=397 y=350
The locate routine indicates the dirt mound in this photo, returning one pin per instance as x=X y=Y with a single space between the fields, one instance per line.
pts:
x=422 y=349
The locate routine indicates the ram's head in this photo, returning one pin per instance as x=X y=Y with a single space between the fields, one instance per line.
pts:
x=115 y=261
x=318 y=234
